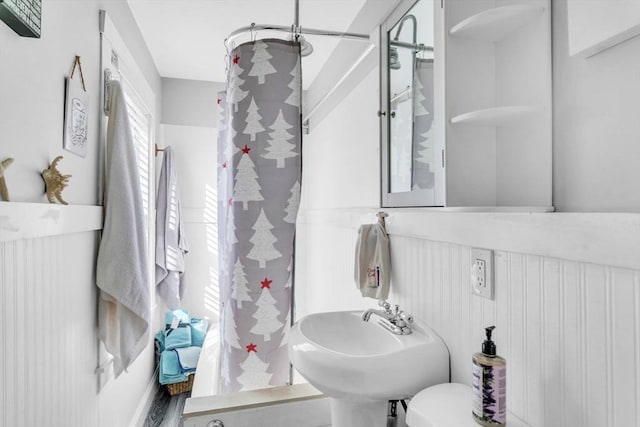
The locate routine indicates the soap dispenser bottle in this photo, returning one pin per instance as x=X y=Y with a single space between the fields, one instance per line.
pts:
x=489 y=385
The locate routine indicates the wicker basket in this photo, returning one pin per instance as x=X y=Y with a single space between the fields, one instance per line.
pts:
x=181 y=387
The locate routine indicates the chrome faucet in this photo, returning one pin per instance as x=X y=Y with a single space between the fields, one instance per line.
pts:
x=386 y=314
x=396 y=322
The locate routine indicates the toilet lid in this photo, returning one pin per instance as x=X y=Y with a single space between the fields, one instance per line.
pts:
x=446 y=405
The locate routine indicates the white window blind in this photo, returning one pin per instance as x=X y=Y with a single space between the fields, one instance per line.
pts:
x=140 y=121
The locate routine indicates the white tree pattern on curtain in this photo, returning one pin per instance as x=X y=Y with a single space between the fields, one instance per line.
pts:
x=240 y=291
x=266 y=314
x=261 y=65
x=254 y=373
x=247 y=187
x=258 y=201
x=423 y=154
x=253 y=126
x=279 y=146
x=263 y=240
x=293 y=204
x=235 y=93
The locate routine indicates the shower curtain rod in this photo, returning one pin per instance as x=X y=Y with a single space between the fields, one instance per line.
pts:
x=295 y=29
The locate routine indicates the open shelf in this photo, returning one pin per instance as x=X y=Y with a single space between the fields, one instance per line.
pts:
x=494 y=24
x=20 y=220
x=497 y=116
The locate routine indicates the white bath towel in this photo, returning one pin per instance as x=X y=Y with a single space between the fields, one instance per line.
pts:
x=124 y=306
x=171 y=242
x=373 y=261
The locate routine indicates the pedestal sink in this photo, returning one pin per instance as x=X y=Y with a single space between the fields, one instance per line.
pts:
x=361 y=365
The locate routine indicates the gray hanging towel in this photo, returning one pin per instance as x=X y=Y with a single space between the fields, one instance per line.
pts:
x=171 y=241
x=373 y=261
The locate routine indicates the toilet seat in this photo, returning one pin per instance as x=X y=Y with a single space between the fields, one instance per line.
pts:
x=446 y=405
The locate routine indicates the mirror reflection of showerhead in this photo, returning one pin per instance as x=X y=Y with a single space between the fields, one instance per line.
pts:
x=394 y=60
x=415 y=27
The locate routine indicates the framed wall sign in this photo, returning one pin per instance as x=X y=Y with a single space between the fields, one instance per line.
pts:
x=23 y=16
x=76 y=112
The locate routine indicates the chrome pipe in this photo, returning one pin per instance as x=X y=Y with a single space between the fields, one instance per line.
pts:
x=417 y=47
x=300 y=30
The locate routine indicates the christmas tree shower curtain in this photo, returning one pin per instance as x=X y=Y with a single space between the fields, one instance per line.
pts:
x=423 y=150
x=259 y=173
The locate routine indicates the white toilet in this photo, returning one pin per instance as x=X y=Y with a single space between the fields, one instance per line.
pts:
x=446 y=405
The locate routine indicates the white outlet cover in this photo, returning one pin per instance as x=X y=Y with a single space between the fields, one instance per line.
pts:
x=477 y=287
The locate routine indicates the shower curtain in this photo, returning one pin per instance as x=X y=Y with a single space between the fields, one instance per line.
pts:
x=259 y=173
x=423 y=155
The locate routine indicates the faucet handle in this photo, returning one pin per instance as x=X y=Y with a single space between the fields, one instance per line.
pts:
x=384 y=304
x=406 y=317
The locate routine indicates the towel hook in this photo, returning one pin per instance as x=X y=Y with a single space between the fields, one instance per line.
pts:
x=381 y=216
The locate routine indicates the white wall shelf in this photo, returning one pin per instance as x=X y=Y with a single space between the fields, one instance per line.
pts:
x=497 y=96
x=493 y=25
x=496 y=116
x=31 y=220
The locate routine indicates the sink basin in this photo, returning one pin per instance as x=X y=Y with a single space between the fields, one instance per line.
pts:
x=360 y=363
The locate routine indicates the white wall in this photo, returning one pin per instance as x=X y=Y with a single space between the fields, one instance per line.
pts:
x=32 y=94
x=189 y=114
x=48 y=303
x=568 y=328
x=595 y=124
x=190 y=102
x=195 y=155
x=341 y=166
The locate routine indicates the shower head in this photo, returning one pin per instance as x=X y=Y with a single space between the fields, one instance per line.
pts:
x=415 y=27
x=394 y=61
x=306 y=48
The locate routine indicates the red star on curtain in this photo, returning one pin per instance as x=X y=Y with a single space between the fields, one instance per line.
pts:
x=246 y=149
x=224 y=165
x=230 y=202
x=252 y=347
x=219 y=101
x=236 y=59
x=266 y=283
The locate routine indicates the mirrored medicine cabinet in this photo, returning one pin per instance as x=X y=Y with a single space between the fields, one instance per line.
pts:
x=465 y=104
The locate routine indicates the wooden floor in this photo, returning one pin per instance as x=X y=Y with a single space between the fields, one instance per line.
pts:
x=166 y=410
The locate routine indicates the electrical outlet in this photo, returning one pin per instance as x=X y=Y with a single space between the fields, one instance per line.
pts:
x=482 y=272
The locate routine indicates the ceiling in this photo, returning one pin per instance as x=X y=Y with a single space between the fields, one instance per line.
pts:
x=186 y=37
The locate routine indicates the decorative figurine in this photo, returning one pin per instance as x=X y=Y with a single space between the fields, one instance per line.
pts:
x=4 y=193
x=55 y=182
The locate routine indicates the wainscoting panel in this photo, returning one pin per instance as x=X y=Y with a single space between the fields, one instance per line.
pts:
x=48 y=332
x=570 y=331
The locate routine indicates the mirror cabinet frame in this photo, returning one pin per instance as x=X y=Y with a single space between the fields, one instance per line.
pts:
x=414 y=198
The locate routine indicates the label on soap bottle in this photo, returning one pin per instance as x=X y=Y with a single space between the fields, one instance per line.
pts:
x=489 y=393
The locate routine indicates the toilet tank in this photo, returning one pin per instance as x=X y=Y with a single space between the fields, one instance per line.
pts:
x=443 y=406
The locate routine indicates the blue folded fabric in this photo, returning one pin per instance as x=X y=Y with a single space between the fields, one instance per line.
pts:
x=159 y=340
x=170 y=371
x=182 y=315
x=198 y=331
x=178 y=337
x=188 y=358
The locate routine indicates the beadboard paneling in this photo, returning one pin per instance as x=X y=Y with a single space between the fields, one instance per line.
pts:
x=570 y=331
x=48 y=332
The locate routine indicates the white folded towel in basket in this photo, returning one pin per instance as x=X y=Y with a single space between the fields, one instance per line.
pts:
x=373 y=261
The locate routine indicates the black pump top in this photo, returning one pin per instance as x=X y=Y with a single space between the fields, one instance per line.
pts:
x=489 y=347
